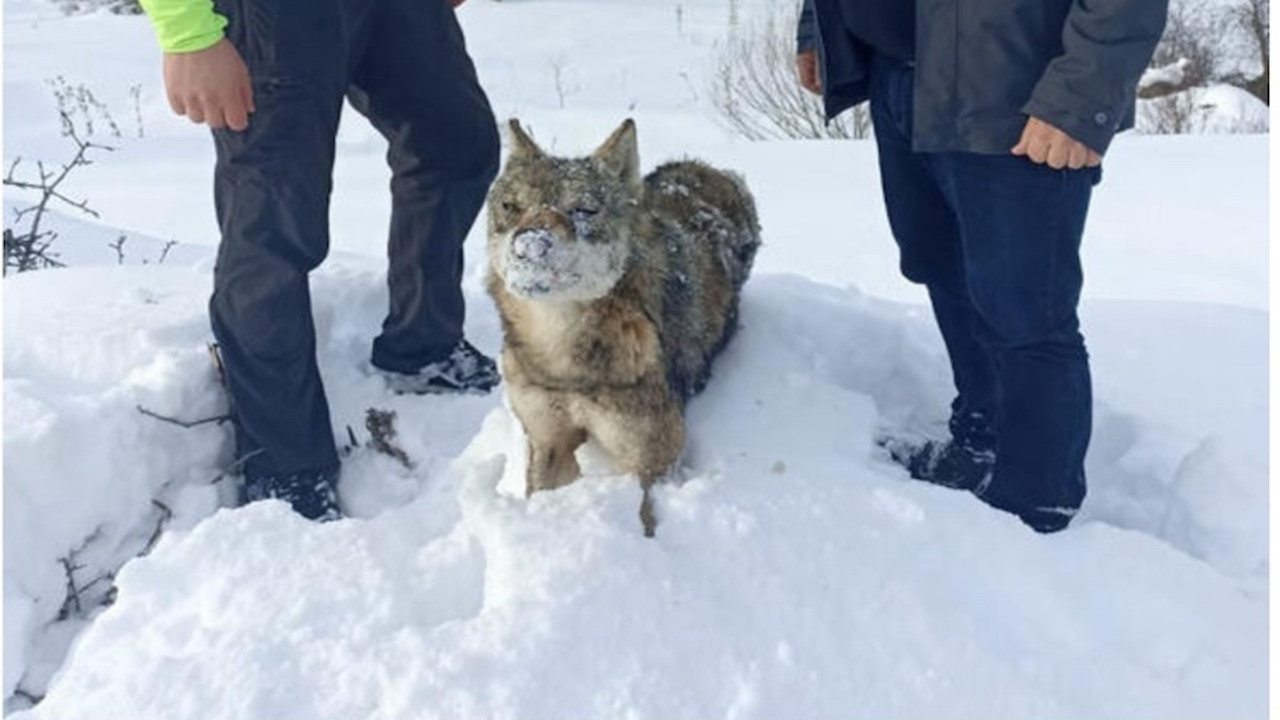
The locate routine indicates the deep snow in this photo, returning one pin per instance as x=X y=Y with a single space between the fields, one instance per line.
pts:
x=795 y=573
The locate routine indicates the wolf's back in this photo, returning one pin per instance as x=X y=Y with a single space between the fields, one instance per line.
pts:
x=706 y=234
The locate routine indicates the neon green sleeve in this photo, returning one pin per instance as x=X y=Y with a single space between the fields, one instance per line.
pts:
x=184 y=26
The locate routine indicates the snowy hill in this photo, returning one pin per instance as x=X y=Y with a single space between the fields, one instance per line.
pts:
x=795 y=573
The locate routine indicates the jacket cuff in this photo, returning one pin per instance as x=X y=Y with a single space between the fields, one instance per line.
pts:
x=806 y=29
x=185 y=26
x=1086 y=120
x=805 y=43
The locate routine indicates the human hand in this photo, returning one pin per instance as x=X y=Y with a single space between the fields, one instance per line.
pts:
x=1045 y=144
x=210 y=86
x=807 y=69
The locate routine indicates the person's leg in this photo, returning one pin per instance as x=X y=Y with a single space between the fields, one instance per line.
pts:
x=272 y=185
x=417 y=85
x=928 y=238
x=1021 y=227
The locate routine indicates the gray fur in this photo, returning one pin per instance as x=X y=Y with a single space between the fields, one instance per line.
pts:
x=616 y=293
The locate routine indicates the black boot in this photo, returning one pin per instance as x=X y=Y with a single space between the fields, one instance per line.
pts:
x=943 y=462
x=465 y=370
x=313 y=495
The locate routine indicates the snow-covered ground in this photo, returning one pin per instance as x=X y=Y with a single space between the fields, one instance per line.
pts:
x=1216 y=109
x=796 y=573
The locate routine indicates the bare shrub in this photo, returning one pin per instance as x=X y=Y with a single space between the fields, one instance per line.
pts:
x=1178 y=113
x=1205 y=45
x=1161 y=81
x=82 y=107
x=118 y=7
x=1193 y=38
x=1198 y=111
x=756 y=92
x=27 y=244
x=1252 y=19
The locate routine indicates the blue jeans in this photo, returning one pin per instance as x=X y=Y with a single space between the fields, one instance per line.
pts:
x=995 y=239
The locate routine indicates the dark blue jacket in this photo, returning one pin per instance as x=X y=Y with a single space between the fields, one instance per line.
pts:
x=983 y=66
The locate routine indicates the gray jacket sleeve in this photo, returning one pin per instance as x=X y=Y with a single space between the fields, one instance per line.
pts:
x=1088 y=90
x=807 y=29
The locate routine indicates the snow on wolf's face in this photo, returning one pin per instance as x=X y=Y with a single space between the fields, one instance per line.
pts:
x=561 y=229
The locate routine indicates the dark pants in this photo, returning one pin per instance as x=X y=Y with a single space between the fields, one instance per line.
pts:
x=403 y=64
x=996 y=240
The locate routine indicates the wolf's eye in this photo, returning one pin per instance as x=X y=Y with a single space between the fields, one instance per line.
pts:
x=510 y=208
x=582 y=213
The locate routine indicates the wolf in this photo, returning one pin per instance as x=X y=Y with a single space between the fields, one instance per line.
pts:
x=616 y=292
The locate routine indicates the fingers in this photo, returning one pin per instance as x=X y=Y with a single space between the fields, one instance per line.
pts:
x=812 y=79
x=246 y=94
x=1045 y=144
x=1058 y=154
x=1023 y=143
x=241 y=106
x=810 y=82
x=232 y=112
x=1038 y=149
x=237 y=114
x=1077 y=157
x=237 y=119
x=806 y=80
x=195 y=111
x=807 y=71
x=238 y=105
x=1034 y=143
x=177 y=104
x=218 y=113
x=210 y=86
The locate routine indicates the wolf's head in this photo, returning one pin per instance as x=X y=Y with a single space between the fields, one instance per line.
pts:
x=560 y=229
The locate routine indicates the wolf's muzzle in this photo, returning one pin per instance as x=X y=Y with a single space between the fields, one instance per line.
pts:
x=531 y=244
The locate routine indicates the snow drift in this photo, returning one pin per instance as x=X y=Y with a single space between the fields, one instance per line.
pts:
x=795 y=572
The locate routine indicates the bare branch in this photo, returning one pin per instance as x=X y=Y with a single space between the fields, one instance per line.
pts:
x=757 y=94
x=381 y=425
x=71 y=602
x=29 y=249
x=166 y=514
x=27 y=696
x=118 y=246
x=164 y=251
x=187 y=424
x=236 y=466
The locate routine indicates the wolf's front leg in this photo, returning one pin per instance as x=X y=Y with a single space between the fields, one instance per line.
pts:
x=551 y=461
x=553 y=436
x=643 y=444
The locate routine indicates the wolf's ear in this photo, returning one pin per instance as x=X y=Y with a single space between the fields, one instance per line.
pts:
x=621 y=153
x=521 y=143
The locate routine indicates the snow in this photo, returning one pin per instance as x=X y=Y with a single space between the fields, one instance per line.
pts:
x=1171 y=75
x=1216 y=109
x=795 y=573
